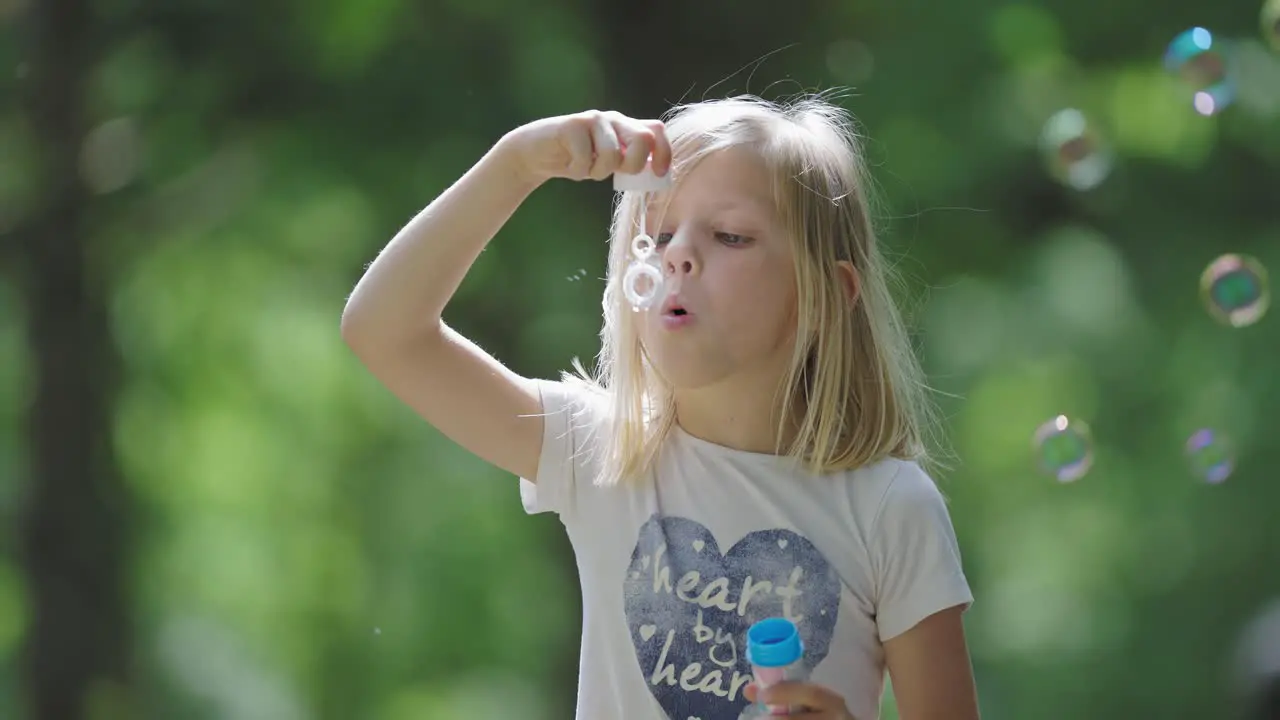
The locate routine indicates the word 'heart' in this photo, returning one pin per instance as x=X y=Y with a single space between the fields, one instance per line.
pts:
x=689 y=608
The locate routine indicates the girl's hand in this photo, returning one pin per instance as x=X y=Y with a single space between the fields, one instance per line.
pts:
x=588 y=145
x=818 y=702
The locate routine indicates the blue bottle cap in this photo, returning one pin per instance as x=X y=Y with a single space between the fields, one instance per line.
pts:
x=774 y=642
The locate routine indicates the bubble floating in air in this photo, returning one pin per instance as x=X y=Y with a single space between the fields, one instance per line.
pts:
x=1235 y=290
x=850 y=62
x=1211 y=456
x=1064 y=448
x=1202 y=63
x=1271 y=23
x=1074 y=151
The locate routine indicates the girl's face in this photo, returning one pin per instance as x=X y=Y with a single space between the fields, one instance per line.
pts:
x=730 y=296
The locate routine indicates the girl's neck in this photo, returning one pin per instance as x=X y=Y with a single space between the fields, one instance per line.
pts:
x=734 y=416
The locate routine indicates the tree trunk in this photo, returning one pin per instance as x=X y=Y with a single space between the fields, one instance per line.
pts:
x=73 y=545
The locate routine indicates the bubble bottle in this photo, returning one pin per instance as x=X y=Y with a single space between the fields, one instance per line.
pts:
x=642 y=281
x=775 y=652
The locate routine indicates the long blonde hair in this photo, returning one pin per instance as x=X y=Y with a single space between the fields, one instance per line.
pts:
x=859 y=389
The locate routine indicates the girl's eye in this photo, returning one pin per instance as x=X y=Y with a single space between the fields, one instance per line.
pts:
x=732 y=238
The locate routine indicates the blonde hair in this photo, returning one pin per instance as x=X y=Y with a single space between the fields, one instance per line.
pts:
x=854 y=379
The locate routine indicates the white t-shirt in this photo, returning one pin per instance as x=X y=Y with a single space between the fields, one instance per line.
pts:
x=675 y=569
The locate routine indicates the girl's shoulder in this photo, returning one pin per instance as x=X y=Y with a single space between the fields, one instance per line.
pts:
x=885 y=478
x=890 y=490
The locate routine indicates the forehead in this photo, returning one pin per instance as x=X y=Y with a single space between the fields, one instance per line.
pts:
x=735 y=176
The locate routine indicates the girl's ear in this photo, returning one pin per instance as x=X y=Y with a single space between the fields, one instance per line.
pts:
x=850 y=280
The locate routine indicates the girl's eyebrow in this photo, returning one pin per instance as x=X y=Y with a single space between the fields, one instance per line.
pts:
x=744 y=203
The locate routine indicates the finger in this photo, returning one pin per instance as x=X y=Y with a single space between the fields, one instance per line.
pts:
x=661 y=147
x=808 y=695
x=638 y=141
x=750 y=692
x=577 y=140
x=608 y=148
x=638 y=146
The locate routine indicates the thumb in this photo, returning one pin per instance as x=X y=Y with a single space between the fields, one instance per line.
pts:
x=750 y=692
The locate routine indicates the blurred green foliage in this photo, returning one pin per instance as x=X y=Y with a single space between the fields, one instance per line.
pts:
x=308 y=549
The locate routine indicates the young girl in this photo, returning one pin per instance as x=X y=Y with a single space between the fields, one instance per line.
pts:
x=750 y=446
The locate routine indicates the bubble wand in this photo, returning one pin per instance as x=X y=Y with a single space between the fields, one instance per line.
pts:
x=642 y=281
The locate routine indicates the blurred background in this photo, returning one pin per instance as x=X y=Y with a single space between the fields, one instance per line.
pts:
x=209 y=510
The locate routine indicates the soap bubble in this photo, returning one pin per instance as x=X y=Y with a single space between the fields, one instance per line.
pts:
x=1201 y=61
x=1235 y=290
x=1211 y=455
x=850 y=62
x=1257 y=663
x=1064 y=448
x=1074 y=151
x=1271 y=23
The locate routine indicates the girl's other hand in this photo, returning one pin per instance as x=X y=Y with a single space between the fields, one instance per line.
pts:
x=818 y=702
